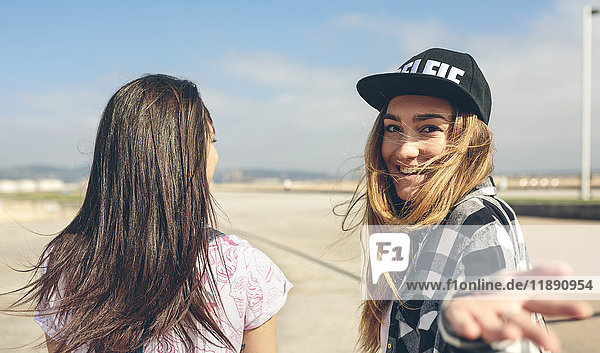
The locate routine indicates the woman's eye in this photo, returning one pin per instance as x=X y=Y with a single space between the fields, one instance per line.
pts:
x=214 y=140
x=392 y=128
x=430 y=128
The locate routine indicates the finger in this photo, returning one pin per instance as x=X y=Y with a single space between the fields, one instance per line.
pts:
x=537 y=334
x=496 y=322
x=491 y=324
x=554 y=268
x=575 y=309
x=511 y=331
x=462 y=322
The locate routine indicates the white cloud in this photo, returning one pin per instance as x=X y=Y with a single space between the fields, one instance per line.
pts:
x=56 y=126
x=308 y=111
x=536 y=82
x=309 y=118
x=534 y=74
x=283 y=111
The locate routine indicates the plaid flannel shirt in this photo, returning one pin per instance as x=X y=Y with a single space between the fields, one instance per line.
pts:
x=491 y=242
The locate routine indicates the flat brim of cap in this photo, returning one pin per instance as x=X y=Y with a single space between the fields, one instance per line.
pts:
x=379 y=89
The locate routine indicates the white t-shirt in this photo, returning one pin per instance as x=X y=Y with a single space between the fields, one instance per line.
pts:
x=252 y=290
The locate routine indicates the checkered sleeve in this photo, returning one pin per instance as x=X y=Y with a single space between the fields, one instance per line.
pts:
x=490 y=250
x=479 y=238
x=495 y=244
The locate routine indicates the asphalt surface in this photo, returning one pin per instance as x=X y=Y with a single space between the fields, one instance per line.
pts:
x=301 y=234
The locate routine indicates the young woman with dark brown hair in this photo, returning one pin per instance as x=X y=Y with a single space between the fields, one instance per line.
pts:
x=142 y=267
x=428 y=162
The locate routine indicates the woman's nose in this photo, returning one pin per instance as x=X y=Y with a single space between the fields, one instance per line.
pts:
x=407 y=150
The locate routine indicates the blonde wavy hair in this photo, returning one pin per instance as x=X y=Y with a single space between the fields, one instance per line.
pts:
x=466 y=161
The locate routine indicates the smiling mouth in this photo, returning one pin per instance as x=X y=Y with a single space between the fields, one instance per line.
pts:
x=409 y=171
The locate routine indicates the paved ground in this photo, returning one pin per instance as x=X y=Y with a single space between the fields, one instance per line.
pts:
x=321 y=314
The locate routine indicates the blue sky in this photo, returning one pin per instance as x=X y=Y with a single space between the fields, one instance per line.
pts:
x=279 y=77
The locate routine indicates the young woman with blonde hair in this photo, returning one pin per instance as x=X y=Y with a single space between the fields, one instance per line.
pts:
x=428 y=161
x=141 y=267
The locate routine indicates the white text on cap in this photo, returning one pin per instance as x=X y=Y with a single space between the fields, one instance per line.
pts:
x=434 y=68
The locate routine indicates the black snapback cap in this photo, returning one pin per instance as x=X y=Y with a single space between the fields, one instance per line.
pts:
x=435 y=72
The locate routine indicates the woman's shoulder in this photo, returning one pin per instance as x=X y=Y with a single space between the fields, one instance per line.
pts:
x=235 y=248
x=242 y=260
x=481 y=206
x=228 y=241
x=481 y=210
x=485 y=221
x=252 y=286
x=492 y=235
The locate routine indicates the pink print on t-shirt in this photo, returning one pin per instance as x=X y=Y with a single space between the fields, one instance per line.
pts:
x=251 y=287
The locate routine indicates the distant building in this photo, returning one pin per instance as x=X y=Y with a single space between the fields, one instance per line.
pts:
x=237 y=176
x=30 y=185
x=27 y=185
x=9 y=186
x=50 y=185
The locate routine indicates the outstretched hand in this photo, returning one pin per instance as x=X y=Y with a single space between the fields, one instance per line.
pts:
x=498 y=320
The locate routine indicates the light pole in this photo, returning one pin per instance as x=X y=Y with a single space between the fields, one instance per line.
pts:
x=586 y=102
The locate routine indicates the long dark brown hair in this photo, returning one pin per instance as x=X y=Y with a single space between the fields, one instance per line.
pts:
x=129 y=267
x=466 y=161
